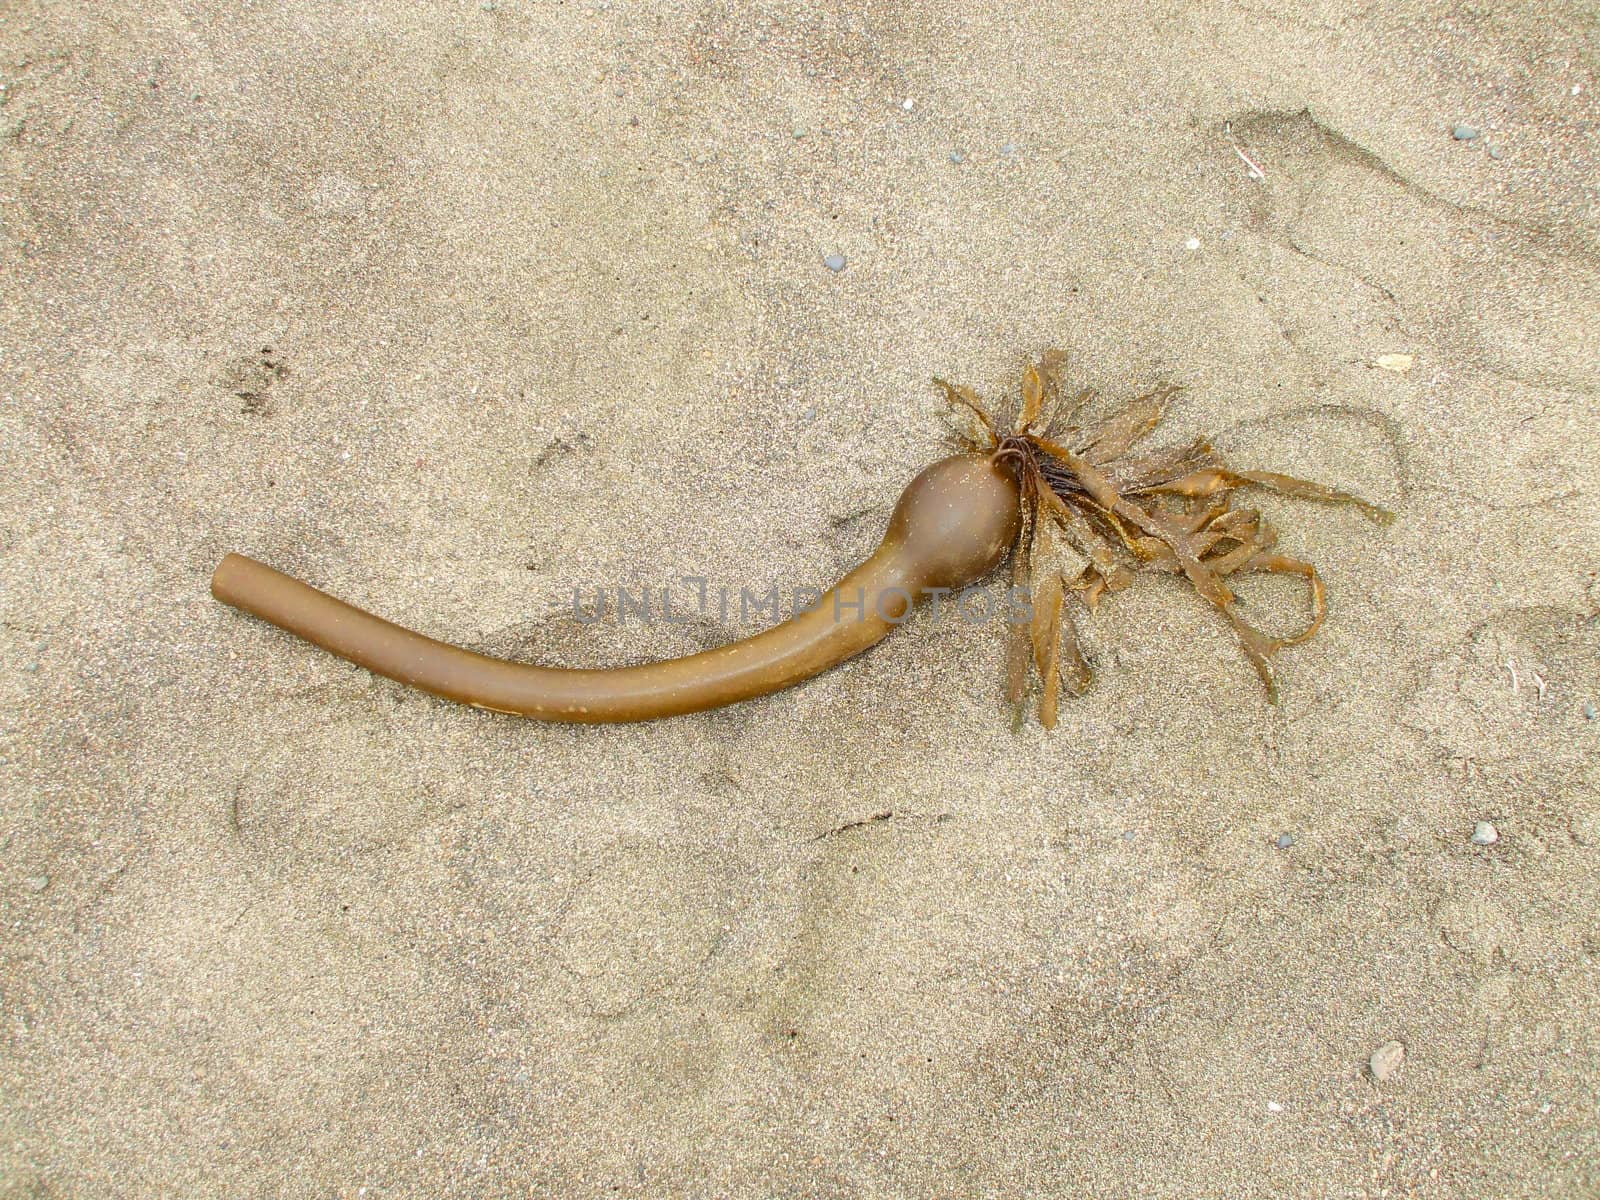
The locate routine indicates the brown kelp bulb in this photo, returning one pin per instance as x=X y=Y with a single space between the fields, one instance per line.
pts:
x=956 y=520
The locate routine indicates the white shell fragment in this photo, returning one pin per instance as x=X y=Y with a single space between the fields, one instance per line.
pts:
x=1386 y=1060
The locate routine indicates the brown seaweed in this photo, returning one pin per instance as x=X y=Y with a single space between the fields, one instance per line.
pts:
x=1096 y=514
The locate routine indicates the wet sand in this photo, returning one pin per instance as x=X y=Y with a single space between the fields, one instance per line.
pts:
x=449 y=309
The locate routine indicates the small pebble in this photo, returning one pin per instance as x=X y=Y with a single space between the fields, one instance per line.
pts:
x=1192 y=244
x=1285 y=840
x=799 y=132
x=1484 y=834
x=1463 y=133
x=1585 y=828
x=1588 y=710
x=958 y=157
x=37 y=883
x=1274 y=1107
x=908 y=104
x=1008 y=149
x=1129 y=835
x=834 y=262
x=1386 y=1060
x=1496 y=153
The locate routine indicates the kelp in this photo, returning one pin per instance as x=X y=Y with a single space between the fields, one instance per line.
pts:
x=1097 y=512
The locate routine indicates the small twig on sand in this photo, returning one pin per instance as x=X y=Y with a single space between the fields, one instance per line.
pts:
x=1255 y=168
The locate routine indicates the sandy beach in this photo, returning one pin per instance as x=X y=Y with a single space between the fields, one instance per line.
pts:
x=450 y=309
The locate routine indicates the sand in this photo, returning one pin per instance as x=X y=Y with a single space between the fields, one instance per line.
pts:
x=450 y=308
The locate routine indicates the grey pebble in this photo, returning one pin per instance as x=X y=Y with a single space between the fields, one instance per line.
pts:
x=1496 y=153
x=1285 y=840
x=1585 y=828
x=799 y=132
x=834 y=262
x=1484 y=834
x=1130 y=835
x=1588 y=710
x=1464 y=133
x=1008 y=149
x=958 y=157
x=37 y=883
